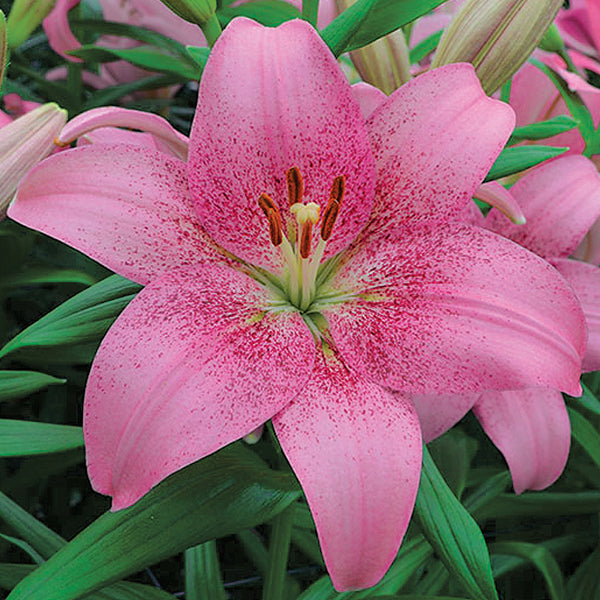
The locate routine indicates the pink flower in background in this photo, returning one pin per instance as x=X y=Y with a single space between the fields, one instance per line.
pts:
x=580 y=26
x=561 y=201
x=301 y=264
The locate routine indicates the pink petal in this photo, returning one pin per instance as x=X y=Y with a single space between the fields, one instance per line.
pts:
x=434 y=140
x=125 y=206
x=113 y=116
x=368 y=97
x=589 y=249
x=440 y=412
x=357 y=453
x=194 y=363
x=114 y=135
x=531 y=428
x=496 y=195
x=259 y=115
x=574 y=27
x=56 y=26
x=585 y=280
x=585 y=62
x=456 y=309
x=560 y=200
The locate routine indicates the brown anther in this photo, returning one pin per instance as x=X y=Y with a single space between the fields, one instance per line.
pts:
x=338 y=187
x=266 y=203
x=275 y=227
x=295 y=185
x=306 y=239
x=329 y=216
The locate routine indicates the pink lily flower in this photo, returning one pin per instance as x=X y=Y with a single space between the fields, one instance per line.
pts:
x=301 y=264
x=580 y=26
x=561 y=201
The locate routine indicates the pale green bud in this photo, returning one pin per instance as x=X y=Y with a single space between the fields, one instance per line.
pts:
x=3 y=47
x=495 y=36
x=552 y=41
x=194 y=11
x=24 y=17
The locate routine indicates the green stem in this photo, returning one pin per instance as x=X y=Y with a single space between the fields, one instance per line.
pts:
x=310 y=10
x=570 y=64
x=202 y=573
x=211 y=30
x=279 y=549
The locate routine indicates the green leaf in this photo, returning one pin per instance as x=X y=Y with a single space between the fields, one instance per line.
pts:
x=515 y=160
x=368 y=20
x=18 y=384
x=268 y=12
x=585 y=582
x=25 y=547
x=23 y=438
x=543 y=129
x=588 y=400
x=145 y=57
x=221 y=494
x=83 y=319
x=202 y=573
x=543 y=504
x=541 y=558
x=425 y=47
x=585 y=433
x=199 y=55
x=41 y=276
x=453 y=533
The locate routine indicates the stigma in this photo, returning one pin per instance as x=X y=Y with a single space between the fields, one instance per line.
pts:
x=302 y=264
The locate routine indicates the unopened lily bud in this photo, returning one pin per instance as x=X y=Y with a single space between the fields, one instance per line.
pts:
x=24 y=143
x=3 y=47
x=552 y=41
x=194 y=11
x=24 y=17
x=385 y=62
x=495 y=36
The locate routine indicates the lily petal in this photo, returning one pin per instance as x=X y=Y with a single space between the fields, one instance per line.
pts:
x=589 y=249
x=440 y=412
x=368 y=97
x=57 y=28
x=357 y=453
x=585 y=280
x=434 y=140
x=259 y=126
x=560 y=200
x=531 y=428
x=496 y=195
x=192 y=364
x=456 y=309
x=125 y=206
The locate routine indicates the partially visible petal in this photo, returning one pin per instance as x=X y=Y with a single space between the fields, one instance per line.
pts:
x=496 y=195
x=531 y=428
x=259 y=115
x=57 y=28
x=125 y=206
x=356 y=450
x=192 y=364
x=585 y=62
x=434 y=140
x=113 y=116
x=560 y=200
x=368 y=97
x=439 y=412
x=574 y=27
x=456 y=309
x=114 y=135
x=593 y=21
x=585 y=280
x=589 y=249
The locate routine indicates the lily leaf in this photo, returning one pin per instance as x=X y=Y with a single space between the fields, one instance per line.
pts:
x=18 y=384
x=24 y=438
x=543 y=129
x=517 y=159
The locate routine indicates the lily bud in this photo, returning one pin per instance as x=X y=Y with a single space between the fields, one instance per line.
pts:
x=3 y=47
x=24 y=17
x=385 y=62
x=495 y=36
x=24 y=143
x=194 y=11
x=552 y=41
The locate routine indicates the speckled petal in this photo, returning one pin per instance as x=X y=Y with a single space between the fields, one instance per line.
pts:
x=456 y=309
x=434 y=140
x=439 y=412
x=560 y=200
x=357 y=453
x=585 y=280
x=531 y=428
x=191 y=365
x=271 y=99
x=368 y=97
x=127 y=207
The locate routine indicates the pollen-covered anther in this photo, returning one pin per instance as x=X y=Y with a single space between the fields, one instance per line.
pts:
x=275 y=227
x=266 y=203
x=295 y=185
x=329 y=216
x=306 y=239
x=338 y=187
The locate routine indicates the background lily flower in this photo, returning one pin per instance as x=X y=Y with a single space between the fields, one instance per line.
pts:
x=302 y=264
x=561 y=201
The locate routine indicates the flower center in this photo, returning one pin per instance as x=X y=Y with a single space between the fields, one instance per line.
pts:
x=299 y=278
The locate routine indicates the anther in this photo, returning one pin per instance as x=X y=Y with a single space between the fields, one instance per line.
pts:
x=306 y=239
x=275 y=227
x=329 y=216
x=266 y=203
x=295 y=185
x=338 y=187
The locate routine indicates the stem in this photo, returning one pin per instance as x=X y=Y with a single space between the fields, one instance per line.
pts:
x=202 y=574
x=570 y=64
x=279 y=549
x=310 y=10
x=74 y=83
x=211 y=30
